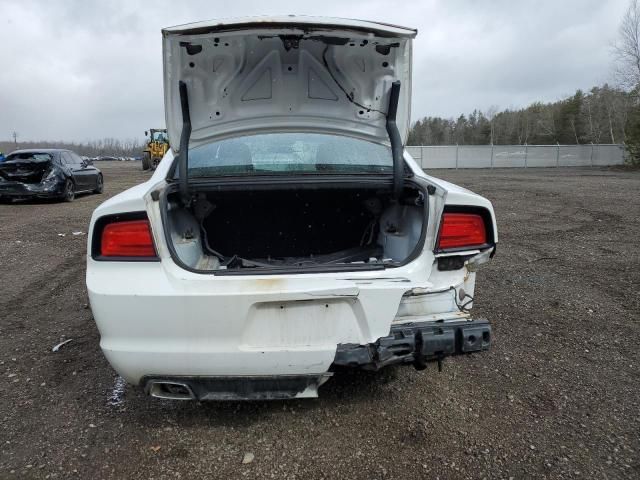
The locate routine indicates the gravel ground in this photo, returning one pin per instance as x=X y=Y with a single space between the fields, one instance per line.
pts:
x=556 y=397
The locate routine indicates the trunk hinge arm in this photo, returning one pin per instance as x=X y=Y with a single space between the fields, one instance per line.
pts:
x=183 y=161
x=395 y=139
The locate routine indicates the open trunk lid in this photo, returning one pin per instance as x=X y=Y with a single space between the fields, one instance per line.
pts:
x=286 y=73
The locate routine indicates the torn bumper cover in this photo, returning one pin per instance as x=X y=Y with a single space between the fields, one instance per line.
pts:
x=417 y=344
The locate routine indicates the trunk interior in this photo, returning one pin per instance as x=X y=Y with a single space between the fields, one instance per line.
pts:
x=295 y=228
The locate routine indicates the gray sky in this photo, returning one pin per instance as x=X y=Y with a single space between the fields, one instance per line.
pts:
x=79 y=70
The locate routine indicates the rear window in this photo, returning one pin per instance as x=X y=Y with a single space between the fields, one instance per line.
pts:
x=278 y=153
x=29 y=157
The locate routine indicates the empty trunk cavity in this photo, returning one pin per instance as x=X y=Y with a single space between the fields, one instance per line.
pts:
x=257 y=231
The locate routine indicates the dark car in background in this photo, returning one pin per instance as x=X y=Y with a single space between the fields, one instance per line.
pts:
x=47 y=173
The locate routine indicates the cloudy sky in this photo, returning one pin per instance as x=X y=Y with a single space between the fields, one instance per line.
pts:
x=79 y=70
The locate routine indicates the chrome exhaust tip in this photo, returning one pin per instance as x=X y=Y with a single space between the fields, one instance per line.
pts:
x=169 y=390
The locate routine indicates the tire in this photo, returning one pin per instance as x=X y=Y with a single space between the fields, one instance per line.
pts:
x=146 y=161
x=155 y=162
x=100 y=185
x=69 y=193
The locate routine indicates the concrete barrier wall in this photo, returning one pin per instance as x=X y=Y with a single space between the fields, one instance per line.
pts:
x=517 y=156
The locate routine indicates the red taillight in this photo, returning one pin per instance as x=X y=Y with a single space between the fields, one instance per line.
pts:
x=460 y=230
x=131 y=238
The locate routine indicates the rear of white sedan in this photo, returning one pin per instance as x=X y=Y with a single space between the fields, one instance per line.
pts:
x=285 y=234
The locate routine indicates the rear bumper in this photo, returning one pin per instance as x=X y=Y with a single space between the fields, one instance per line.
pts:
x=154 y=324
x=30 y=190
x=234 y=337
x=282 y=387
x=417 y=344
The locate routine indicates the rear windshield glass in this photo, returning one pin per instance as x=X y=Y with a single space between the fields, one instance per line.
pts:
x=278 y=153
x=29 y=157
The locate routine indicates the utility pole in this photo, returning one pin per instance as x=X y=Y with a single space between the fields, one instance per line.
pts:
x=15 y=138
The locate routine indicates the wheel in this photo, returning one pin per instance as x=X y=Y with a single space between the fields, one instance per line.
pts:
x=155 y=162
x=69 y=192
x=99 y=185
x=146 y=161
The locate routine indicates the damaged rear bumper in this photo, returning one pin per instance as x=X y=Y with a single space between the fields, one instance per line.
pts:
x=30 y=190
x=267 y=387
x=414 y=343
x=417 y=344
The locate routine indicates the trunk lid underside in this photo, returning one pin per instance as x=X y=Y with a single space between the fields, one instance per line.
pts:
x=289 y=73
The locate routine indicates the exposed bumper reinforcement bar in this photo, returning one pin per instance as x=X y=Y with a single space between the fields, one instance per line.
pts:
x=417 y=344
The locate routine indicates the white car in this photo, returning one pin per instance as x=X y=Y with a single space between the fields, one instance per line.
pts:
x=286 y=233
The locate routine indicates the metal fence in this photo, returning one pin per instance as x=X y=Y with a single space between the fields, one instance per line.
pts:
x=517 y=156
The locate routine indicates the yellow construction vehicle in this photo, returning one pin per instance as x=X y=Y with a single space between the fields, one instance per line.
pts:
x=157 y=146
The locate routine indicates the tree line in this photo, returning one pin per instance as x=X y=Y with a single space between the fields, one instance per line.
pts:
x=94 y=148
x=598 y=116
